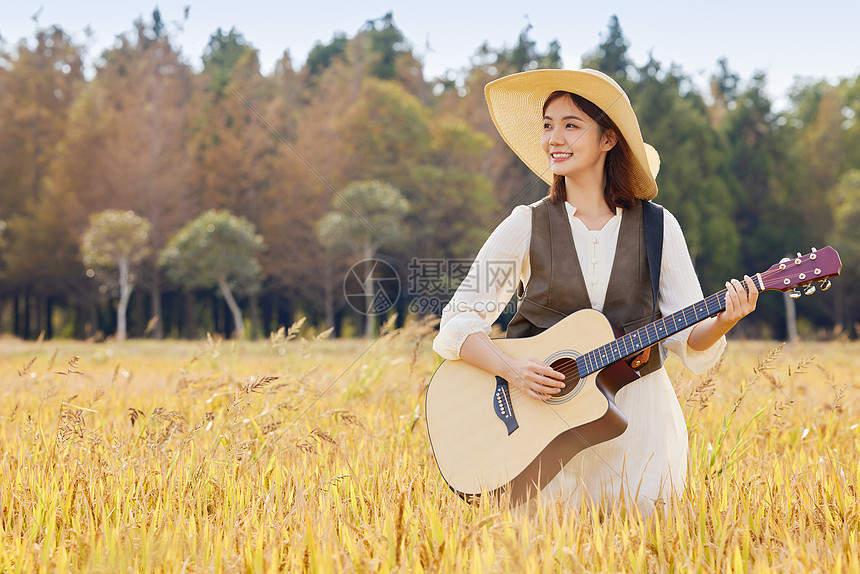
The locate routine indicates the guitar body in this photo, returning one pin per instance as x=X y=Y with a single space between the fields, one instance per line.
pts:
x=474 y=448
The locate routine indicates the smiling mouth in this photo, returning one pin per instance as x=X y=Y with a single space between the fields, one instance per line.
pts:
x=561 y=156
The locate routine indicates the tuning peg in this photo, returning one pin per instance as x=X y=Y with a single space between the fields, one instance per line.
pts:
x=794 y=294
x=825 y=284
x=809 y=289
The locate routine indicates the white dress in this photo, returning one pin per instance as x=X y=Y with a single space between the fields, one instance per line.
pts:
x=648 y=463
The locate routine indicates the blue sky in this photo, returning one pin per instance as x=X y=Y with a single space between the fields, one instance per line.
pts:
x=783 y=39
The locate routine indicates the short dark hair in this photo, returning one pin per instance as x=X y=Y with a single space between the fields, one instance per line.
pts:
x=618 y=190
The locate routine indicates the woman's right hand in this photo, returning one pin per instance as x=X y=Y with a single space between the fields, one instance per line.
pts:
x=534 y=378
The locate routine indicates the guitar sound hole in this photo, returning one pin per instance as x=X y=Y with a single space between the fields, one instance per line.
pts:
x=566 y=366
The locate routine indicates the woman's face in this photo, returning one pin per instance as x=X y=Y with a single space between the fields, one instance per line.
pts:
x=573 y=142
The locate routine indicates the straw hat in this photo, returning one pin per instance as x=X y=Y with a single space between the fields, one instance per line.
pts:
x=516 y=103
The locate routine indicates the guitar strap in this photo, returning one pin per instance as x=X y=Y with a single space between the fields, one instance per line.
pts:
x=653 y=218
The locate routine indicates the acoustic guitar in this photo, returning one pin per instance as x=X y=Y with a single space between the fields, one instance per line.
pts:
x=489 y=438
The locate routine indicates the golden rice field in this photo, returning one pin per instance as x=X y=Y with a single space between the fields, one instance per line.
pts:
x=304 y=454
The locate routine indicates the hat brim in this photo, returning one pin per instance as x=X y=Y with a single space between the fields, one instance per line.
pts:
x=516 y=102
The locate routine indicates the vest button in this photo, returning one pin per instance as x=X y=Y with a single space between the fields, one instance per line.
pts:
x=594 y=260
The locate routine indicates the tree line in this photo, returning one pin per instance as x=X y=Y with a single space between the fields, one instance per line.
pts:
x=148 y=141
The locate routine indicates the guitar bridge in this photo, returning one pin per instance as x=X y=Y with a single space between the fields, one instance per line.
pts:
x=503 y=406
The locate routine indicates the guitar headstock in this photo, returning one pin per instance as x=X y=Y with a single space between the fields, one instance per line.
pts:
x=801 y=271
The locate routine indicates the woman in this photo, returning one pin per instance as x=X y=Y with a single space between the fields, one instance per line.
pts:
x=577 y=131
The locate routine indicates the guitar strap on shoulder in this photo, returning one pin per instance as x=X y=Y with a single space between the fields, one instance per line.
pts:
x=653 y=218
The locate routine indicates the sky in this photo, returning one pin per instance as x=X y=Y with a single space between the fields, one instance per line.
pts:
x=786 y=40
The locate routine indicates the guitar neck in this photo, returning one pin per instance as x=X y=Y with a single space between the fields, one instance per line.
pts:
x=644 y=337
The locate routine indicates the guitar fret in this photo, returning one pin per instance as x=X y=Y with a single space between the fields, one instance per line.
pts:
x=651 y=332
x=716 y=301
x=717 y=304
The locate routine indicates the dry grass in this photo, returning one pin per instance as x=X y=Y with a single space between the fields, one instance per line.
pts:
x=312 y=455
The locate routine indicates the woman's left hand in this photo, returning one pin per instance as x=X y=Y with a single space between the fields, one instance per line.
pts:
x=740 y=302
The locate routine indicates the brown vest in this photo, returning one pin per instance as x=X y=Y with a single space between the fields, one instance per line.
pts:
x=557 y=288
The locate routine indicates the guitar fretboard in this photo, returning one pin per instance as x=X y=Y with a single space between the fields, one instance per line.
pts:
x=637 y=340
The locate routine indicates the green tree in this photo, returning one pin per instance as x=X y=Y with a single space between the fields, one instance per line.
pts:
x=116 y=239
x=365 y=217
x=524 y=54
x=846 y=239
x=378 y=50
x=225 y=53
x=850 y=150
x=219 y=250
x=387 y=46
x=452 y=205
x=822 y=135
x=821 y=140
x=757 y=154
x=694 y=178
x=724 y=91
x=386 y=133
x=611 y=56
x=773 y=209
x=322 y=55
